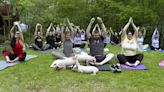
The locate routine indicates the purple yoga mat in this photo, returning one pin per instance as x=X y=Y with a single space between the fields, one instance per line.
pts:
x=139 y=67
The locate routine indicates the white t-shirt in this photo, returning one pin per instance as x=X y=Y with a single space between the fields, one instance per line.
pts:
x=77 y=40
x=107 y=39
x=155 y=43
x=82 y=36
x=140 y=40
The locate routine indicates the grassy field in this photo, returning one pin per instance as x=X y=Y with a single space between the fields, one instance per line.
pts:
x=36 y=76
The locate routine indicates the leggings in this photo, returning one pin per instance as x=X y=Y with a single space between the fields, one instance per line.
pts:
x=79 y=45
x=153 y=48
x=131 y=59
x=13 y=56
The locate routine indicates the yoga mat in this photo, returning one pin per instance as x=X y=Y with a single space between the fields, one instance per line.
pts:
x=104 y=67
x=58 y=55
x=161 y=63
x=4 y=64
x=152 y=50
x=139 y=67
x=148 y=50
x=61 y=49
x=46 y=51
x=161 y=51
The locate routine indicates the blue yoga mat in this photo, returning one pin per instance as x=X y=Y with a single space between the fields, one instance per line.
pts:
x=152 y=50
x=4 y=64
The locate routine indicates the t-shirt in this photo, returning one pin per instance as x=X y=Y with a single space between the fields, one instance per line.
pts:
x=96 y=46
x=68 y=48
x=129 y=47
x=77 y=40
x=107 y=39
x=155 y=43
x=140 y=40
x=82 y=36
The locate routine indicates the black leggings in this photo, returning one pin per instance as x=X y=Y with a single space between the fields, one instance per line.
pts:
x=153 y=48
x=79 y=45
x=131 y=59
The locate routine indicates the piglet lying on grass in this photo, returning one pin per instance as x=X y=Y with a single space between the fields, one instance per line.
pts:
x=85 y=69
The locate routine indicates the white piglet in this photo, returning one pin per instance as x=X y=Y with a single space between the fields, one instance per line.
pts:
x=85 y=69
x=63 y=63
x=86 y=58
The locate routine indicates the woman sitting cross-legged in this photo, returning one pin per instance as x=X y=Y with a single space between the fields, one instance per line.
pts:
x=155 y=40
x=38 y=36
x=17 y=45
x=58 y=36
x=107 y=39
x=50 y=38
x=115 y=38
x=78 y=38
x=67 y=39
x=128 y=55
x=140 y=40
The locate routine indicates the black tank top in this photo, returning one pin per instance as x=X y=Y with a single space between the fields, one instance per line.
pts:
x=50 y=40
x=38 y=41
x=58 y=38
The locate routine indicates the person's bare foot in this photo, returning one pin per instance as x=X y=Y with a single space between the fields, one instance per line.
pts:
x=92 y=63
x=11 y=61
x=97 y=64
x=129 y=64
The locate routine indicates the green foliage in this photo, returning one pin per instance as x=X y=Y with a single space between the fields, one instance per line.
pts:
x=115 y=13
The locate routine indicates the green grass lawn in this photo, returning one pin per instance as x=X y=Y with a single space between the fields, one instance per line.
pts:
x=36 y=76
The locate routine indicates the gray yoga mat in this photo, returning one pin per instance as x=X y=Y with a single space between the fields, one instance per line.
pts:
x=4 y=64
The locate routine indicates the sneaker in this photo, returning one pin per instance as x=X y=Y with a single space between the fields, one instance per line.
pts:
x=118 y=69
x=113 y=67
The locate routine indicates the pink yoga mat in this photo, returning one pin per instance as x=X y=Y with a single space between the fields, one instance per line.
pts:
x=162 y=63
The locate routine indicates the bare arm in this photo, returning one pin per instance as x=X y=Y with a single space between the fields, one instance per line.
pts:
x=62 y=33
x=135 y=29
x=48 y=30
x=71 y=28
x=36 y=30
x=103 y=33
x=11 y=31
x=88 y=34
x=124 y=30
x=54 y=31
x=144 y=31
x=154 y=33
x=120 y=32
x=21 y=33
x=157 y=34
x=36 y=27
x=111 y=31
